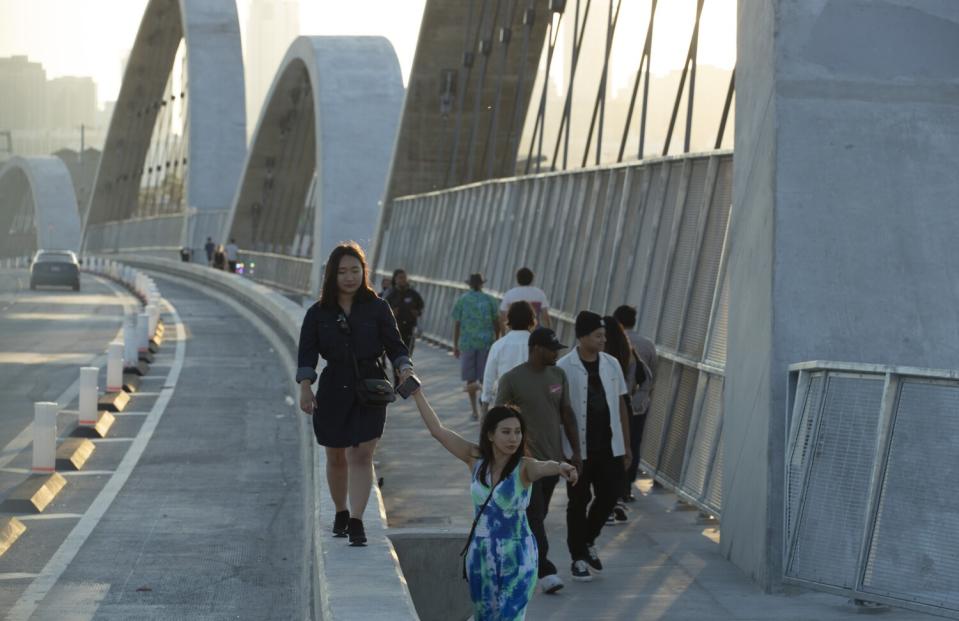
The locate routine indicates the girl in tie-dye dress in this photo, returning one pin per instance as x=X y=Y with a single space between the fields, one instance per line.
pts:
x=501 y=561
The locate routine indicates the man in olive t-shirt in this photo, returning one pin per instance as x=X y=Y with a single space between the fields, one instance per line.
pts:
x=540 y=390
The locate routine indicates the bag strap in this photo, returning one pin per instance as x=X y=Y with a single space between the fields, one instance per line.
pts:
x=479 y=514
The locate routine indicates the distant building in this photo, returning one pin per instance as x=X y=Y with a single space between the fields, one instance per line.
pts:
x=71 y=102
x=28 y=81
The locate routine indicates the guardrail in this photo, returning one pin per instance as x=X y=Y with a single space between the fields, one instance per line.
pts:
x=278 y=270
x=650 y=233
x=870 y=468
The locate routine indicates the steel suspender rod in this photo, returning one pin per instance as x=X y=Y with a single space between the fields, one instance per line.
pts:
x=643 y=62
x=726 y=107
x=468 y=57
x=578 y=35
x=485 y=50
x=599 y=107
x=489 y=145
x=690 y=62
x=512 y=139
x=539 y=125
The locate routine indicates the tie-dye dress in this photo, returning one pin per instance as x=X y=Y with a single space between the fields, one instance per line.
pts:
x=501 y=562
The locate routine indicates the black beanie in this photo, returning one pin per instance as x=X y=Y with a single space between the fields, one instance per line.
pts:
x=588 y=322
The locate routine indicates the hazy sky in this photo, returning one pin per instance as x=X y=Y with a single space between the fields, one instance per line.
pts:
x=90 y=37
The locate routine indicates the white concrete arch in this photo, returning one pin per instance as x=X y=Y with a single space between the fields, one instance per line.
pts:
x=317 y=168
x=38 y=207
x=213 y=144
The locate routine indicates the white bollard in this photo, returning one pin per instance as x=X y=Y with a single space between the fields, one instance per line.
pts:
x=130 y=356
x=45 y=436
x=115 y=367
x=153 y=311
x=88 y=396
x=143 y=332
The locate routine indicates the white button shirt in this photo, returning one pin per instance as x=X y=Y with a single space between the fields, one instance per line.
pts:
x=614 y=384
x=505 y=354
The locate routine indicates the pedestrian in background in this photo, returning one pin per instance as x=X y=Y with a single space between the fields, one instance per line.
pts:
x=596 y=388
x=510 y=351
x=385 y=286
x=232 y=256
x=619 y=347
x=475 y=328
x=209 y=247
x=351 y=328
x=501 y=552
x=540 y=390
x=643 y=370
x=219 y=258
x=525 y=291
x=407 y=306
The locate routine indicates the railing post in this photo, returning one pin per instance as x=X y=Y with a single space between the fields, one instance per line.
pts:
x=88 y=396
x=44 y=436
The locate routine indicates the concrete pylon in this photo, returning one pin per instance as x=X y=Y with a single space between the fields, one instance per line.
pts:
x=843 y=228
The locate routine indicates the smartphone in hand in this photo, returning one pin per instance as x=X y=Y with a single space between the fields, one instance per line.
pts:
x=408 y=387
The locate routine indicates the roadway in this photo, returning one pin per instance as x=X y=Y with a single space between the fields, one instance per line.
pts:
x=195 y=505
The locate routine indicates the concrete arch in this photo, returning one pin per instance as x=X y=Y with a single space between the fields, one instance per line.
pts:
x=317 y=168
x=215 y=139
x=38 y=207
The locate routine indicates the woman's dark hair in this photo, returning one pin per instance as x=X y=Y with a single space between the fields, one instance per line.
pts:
x=524 y=276
x=617 y=343
x=328 y=295
x=626 y=316
x=493 y=418
x=397 y=272
x=520 y=315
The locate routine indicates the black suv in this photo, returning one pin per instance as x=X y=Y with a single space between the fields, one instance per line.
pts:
x=55 y=267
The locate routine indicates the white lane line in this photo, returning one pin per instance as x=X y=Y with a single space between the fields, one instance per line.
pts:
x=53 y=570
x=50 y=516
x=86 y=473
x=109 y=440
x=23 y=439
x=144 y=393
x=13 y=575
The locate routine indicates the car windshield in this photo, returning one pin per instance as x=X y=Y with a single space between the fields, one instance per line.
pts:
x=55 y=257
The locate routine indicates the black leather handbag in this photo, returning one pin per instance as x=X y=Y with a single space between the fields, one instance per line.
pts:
x=375 y=391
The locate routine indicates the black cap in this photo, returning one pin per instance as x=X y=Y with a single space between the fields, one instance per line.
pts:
x=588 y=322
x=475 y=280
x=544 y=337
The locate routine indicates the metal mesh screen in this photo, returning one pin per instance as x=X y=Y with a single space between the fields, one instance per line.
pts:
x=914 y=552
x=687 y=246
x=830 y=526
x=659 y=410
x=653 y=300
x=705 y=438
x=674 y=449
x=799 y=455
x=717 y=337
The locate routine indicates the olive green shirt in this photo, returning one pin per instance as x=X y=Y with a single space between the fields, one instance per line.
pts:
x=539 y=395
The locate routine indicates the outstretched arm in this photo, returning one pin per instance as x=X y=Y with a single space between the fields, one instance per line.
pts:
x=460 y=447
x=534 y=470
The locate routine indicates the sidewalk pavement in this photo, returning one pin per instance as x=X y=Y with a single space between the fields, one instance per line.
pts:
x=663 y=565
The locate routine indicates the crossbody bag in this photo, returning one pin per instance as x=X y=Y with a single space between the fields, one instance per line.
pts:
x=479 y=514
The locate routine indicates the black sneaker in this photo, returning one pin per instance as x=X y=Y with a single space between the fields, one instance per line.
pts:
x=595 y=565
x=580 y=571
x=341 y=523
x=357 y=532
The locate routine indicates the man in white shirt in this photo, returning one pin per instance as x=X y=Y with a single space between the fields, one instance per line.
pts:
x=526 y=292
x=509 y=351
x=596 y=393
x=232 y=255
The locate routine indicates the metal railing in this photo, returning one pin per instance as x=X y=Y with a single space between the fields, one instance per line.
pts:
x=160 y=232
x=870 y=463
x=650 y=233
x=278 y=270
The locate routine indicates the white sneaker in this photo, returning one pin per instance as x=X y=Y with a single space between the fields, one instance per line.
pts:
x=580 y=572
x=619 y=515
x=550 y=584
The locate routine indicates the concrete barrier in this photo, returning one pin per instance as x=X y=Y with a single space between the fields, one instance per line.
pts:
x=115 y=367
x=88 y=396
x=344 y=578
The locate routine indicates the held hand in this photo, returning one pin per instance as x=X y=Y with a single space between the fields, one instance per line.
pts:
x=307 y=401
x=405 y=374
x=569 y=472
x=577 y=462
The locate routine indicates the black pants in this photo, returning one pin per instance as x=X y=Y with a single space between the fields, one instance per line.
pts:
x=602 y=478
x=637 y=422
x=540 y=496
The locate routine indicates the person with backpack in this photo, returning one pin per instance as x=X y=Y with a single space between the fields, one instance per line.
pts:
x=475 y=327
x=500 y=553
x=641 y=373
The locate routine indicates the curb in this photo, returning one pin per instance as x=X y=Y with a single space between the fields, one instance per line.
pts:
x=34 y=494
